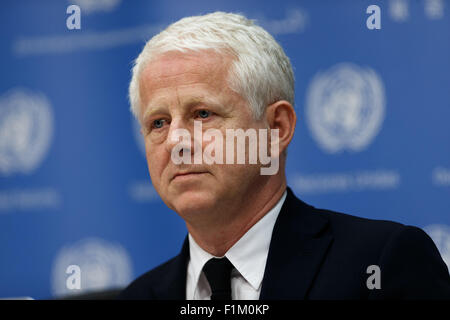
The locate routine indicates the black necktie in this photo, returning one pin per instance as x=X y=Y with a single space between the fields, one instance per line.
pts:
x=218 y=273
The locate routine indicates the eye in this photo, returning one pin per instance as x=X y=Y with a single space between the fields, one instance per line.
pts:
x=158 y=123
x=204 y=114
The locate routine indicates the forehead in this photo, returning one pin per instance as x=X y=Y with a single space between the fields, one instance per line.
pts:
x=183 y=69
x=172 y=63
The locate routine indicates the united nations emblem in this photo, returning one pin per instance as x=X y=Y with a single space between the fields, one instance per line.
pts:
x=102 y=265
x=345 y=107
x=26 y=128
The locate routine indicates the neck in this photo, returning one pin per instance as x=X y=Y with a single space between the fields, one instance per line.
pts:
x=217 y=237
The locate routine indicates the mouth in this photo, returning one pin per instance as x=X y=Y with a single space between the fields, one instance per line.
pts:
x=188 y=175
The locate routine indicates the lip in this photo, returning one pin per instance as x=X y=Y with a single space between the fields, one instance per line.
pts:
x=190 y=174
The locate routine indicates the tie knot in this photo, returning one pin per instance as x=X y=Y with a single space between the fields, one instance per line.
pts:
x=218 y=273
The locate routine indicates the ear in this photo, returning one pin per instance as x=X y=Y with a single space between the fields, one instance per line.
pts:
x=281 y=115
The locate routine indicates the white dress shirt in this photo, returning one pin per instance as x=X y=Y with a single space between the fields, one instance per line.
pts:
x=248 y=256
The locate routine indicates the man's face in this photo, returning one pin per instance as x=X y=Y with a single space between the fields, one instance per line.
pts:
x=177 y=89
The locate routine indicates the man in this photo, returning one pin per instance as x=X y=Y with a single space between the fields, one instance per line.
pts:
x=249 y=236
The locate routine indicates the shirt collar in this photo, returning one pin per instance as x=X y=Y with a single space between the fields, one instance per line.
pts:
x=248 y=255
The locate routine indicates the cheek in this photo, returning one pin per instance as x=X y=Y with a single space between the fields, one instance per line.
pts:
x=157 y=137
x=155 y=162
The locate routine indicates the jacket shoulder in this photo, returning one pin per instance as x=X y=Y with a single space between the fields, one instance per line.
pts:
x=142 y=287
x=402 y=253
x=364 y=228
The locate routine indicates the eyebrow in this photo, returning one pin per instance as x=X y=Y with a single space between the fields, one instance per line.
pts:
x=151 y=111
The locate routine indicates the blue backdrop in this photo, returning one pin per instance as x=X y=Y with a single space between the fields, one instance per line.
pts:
x=372 y=138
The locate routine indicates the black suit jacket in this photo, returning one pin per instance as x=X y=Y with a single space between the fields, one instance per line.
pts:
x=320 y=254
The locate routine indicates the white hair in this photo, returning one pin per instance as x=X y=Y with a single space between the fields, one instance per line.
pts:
x=260 y=72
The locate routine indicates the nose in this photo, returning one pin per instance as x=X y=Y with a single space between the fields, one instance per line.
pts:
x=179 y=140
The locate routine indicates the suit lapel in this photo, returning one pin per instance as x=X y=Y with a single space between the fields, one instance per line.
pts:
x=299 y=243
x=172 y=284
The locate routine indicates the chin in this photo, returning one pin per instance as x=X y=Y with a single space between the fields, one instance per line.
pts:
x=194 y=201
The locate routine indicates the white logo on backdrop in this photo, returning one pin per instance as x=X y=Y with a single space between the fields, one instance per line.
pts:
x=399 y=10
x=294 y=22
x=440 y=234
x=102 y=265
x=434 y=9
x=26 y=128
x=345 y=107
x=90 y=6
x=440 y=176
